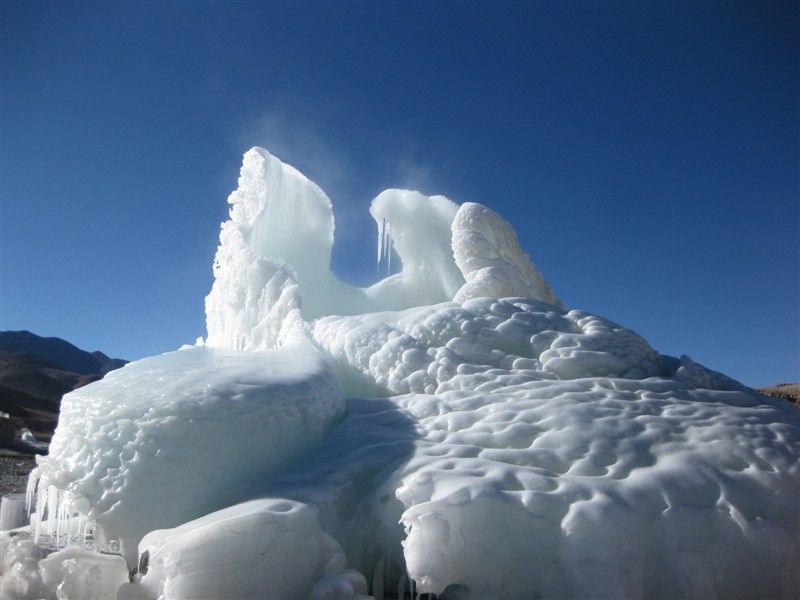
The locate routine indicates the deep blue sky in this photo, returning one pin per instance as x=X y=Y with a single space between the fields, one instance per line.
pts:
x=646 y=153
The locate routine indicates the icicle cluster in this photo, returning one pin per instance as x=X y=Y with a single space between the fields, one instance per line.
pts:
x=57 y=512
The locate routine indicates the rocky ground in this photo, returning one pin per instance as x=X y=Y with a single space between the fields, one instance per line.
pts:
x=787 y=391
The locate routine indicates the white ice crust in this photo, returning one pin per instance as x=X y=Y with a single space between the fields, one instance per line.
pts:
x=451 y=429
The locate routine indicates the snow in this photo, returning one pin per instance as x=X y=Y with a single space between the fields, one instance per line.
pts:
x=452 y=429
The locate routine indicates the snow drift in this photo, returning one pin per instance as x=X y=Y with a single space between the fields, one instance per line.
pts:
x=452 y=429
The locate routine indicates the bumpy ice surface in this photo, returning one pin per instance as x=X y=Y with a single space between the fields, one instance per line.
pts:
x=451 y=429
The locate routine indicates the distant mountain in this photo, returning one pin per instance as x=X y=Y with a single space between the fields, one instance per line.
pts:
x=35 y=372
x=58 y=352
x=108 y=364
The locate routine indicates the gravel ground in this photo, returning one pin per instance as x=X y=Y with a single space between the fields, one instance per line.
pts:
x=14 y=469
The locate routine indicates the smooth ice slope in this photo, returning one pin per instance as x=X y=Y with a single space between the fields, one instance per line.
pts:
x=451 y=429
x=170 y=438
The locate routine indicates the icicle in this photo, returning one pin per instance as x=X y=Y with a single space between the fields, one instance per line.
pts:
x=380 y=243
x=30 y=491
x=78 y=520
x=378 y=581
x=52 y=508
x=65 y=518
x=70 y=527
x=401 y=586
x=59 y=518
x=86 y=529
x=389 y=246
x=41 y=498
x=62 y=525
x=385 y=238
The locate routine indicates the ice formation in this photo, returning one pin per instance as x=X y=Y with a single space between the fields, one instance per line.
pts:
x=288 y=556
x=417 y=227
x=451 y=429
x=278 y=241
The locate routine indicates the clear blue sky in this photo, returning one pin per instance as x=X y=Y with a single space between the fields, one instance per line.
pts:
x=646 y=153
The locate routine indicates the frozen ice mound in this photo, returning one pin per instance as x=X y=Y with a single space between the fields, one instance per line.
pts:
x=173 y=437
x=452 y=429
x=280 y=233
x=280 y=551
x=279 y=213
